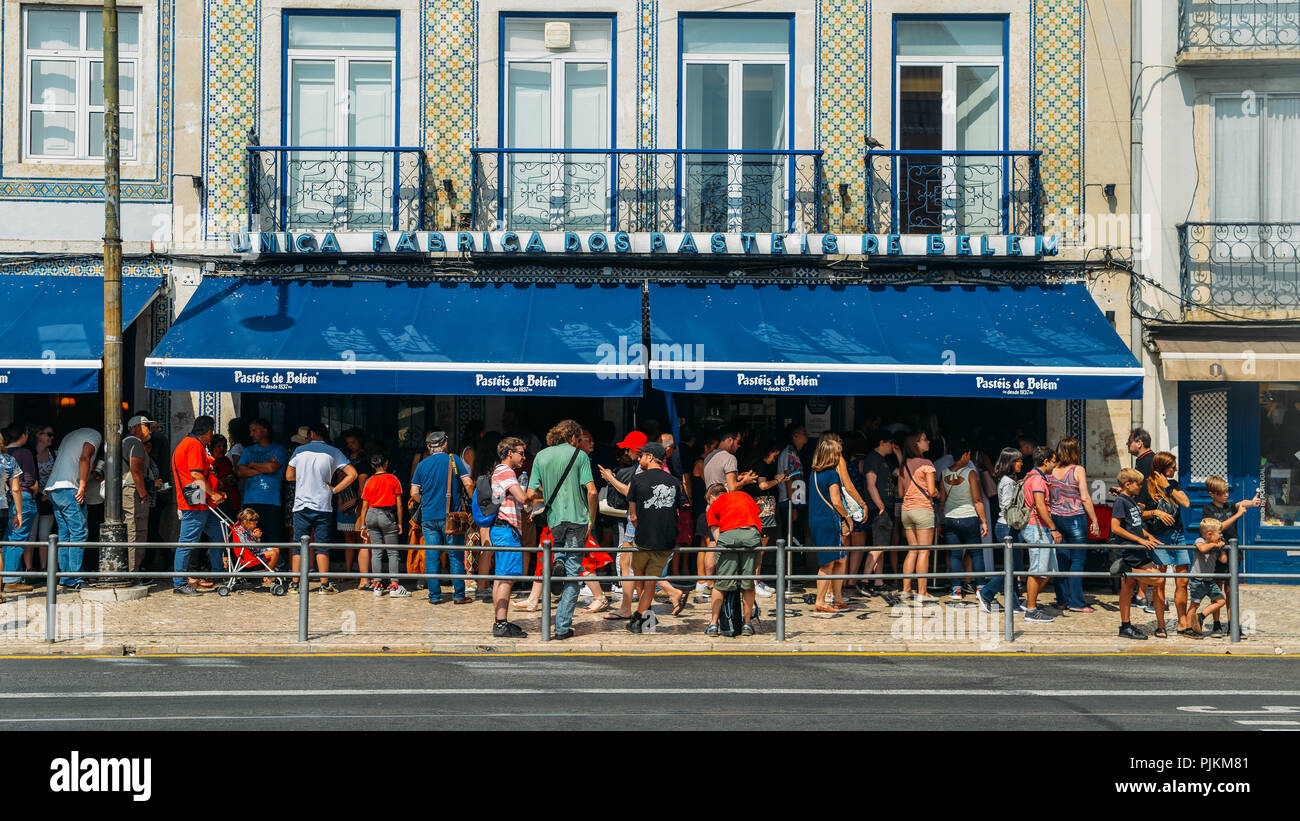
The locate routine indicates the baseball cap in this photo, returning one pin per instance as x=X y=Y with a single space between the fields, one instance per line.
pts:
x=302 y=437
x=656 y=450
x=635 y=440
x=140 y=419
x=436 y=438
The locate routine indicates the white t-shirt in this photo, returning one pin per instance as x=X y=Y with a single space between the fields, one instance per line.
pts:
x=314 y=464
x=67 y=471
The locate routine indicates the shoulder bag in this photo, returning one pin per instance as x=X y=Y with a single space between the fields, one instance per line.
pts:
x=458 y=521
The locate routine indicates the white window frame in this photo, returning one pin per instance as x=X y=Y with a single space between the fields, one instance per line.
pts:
x=736 y=62
x=342 y=60
x=1261 y=99
x=80 y=106
x=558 y=63
x=948 y=65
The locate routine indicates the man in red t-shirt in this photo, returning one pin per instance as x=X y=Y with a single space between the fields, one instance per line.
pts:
x=734 y=522
x=192 y=465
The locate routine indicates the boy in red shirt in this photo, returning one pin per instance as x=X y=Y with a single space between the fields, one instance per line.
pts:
x=735 y=525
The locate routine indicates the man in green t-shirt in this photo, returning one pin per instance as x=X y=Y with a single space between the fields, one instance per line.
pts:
x=571 y=513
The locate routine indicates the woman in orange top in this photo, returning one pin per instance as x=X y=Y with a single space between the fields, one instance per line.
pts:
x=916 y=480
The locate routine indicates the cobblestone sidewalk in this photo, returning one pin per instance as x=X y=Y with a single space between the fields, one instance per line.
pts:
x=252 y=621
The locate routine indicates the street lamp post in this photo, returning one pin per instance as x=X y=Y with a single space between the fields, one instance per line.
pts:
x=113 y=530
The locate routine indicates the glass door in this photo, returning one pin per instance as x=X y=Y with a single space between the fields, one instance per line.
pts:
x=557 y=99
x=342 y=92
x=949 y=86
x=736 y=99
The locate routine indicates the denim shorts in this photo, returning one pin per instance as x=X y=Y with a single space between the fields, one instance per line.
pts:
x=1173 y=557
x=1200 y=589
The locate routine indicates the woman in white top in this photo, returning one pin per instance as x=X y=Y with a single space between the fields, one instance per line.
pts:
x=964 y=520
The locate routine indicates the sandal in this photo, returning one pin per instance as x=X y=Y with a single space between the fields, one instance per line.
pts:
x=681 y=604
x=526 y=606
x=597 y=606
x=616 y=617
x=1160 y=633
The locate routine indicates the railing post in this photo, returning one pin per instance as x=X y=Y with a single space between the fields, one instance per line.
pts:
x=52 y=589
x=1234 y=595
x=419 y=158
x=780 y=590
x=678 y=203
x=304 y=566
x=546 y=588
x=611 y=168
x=1009 y=595
x=474 y=173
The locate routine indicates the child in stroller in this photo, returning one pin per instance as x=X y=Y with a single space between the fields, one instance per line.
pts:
x=245 y=551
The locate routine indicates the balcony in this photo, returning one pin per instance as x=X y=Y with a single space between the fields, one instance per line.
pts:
x=638 y=190
x=313 y=188
x=1240 y=265
x=954 y=192
x=1218 y=30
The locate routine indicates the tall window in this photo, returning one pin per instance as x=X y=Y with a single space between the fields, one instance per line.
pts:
x=949 y=87
x=1256 y=176
x=557 y=96
x=63 y=79
x=341 y=76
x=736 y=90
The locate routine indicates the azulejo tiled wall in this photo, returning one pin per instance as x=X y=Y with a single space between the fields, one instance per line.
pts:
x=1056 y=119
x=77 y=190
x=842 y=88
x=231 y=97
x=647 y=60
x=449 y=94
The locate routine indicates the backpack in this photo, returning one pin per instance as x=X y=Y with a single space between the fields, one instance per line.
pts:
x=1017 y=514
x=482 y=506
x=732 y=616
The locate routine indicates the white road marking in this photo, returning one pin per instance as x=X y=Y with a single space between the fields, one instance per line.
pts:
x=1260 y=711
x=646 y=691
x=1295 y=724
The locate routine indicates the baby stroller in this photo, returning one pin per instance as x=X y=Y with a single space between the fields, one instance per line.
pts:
x=242 y=554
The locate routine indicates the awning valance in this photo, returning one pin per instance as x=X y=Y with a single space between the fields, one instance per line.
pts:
x=418 y=337
x=916 y=340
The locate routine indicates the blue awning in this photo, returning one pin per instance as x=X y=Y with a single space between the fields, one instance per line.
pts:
x=52 y=330
x=1046 y=342
x=421 y=338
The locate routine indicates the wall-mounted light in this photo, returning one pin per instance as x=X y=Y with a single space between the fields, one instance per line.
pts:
x=1109 y=190
x=67 y=401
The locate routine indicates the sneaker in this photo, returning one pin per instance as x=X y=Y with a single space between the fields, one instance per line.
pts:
x=507 y=630
x=1128 y=631
x=1148 y=608
x=986 y=606
x=762 y=589
x=955 y=595
x=649 y=622
x=18 y=587
x=616 y=588
x=377 y=590
x=634 y=623
x=1037 y=615
x=747 y=629
x=396 y=591
x=328 y=588
x=293 y=587
x=712 y=631
x=924 y=598
x=1020 y=606
x=704 y=597
x=967 y=587
x=185 y=590
x=568 y=634
x=1218 y=631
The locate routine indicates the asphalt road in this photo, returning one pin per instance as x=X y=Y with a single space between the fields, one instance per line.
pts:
x=726 y=692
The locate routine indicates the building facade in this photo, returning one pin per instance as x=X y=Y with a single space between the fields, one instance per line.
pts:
x=1218 y=294
x=906 y=202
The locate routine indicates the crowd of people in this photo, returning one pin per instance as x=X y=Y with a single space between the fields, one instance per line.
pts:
x=877 y=500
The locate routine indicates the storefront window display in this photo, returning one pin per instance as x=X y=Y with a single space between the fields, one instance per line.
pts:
x=1279 y=448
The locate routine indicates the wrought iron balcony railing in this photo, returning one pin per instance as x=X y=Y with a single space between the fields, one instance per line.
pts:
x=316 y=188
x=646 y=190
x=1240 y=265
x=1240 y=25
x=954 y=192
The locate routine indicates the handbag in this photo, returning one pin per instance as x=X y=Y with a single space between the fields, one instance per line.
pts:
x=458 y=521
x=540 y=516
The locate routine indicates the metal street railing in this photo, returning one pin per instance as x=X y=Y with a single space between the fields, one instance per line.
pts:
x=781 y=578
